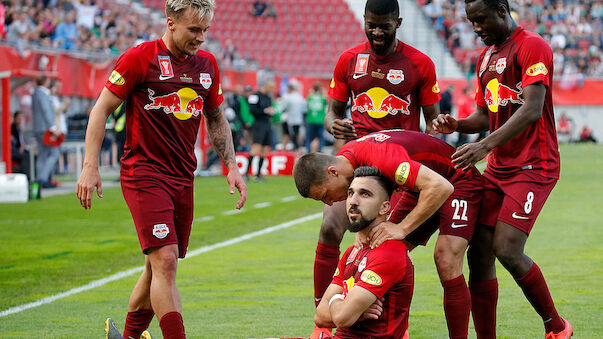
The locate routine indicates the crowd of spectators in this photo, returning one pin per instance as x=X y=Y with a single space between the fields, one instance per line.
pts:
x=94 y=27
x=571 y=27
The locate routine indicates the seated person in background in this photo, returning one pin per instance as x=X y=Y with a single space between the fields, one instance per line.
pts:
x=586 y=135
x=564 y=128
x=372 y=288
x=258 y=7
x=19 y=154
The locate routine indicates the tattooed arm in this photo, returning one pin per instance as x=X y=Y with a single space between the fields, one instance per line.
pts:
x=221 y=138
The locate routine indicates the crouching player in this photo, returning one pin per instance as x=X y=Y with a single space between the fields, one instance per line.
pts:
x=372 y=288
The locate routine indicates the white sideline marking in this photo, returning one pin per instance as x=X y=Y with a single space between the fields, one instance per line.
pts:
x=206 y=218
x=262 y=204
x=289 y=198
x=126 y=273
x=235 y=211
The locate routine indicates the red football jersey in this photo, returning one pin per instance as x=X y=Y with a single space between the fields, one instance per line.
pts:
x=165 y=97
x=503 y=71
x=386 y=271
x=398 y=154
x=386 y=91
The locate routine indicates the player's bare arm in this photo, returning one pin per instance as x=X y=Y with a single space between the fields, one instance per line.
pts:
x=346 y=312
x=335 y=122
x=469 y=154
x=433 y=190
x=476 y=122
x=322 y=317
x=430 y=112
x=221 y=138
x=90 y=178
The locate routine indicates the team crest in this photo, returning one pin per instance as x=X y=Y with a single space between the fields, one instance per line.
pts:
x=205 y=80
x=501 y=64
x=165 y=65
x=352 y=256
x=361 y=64
x=161 y=231
x=395 y=76
x=362 y=265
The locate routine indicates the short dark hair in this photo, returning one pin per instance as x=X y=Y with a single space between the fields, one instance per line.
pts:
x=383 y=7
x=494 y=4
x=369 y=171
x=311 y=169
x=41 y=80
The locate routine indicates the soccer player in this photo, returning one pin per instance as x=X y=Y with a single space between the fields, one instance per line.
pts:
x=388 y=82
x=418 y=163
x=514 y=98
x=372 y=288
x=167 y=84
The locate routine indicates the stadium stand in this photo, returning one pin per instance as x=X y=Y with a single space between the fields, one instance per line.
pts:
x=572 y=28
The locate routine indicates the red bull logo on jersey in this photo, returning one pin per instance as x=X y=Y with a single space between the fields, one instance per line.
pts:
x=395 y=76
x=497 y=94
x=183 y=104
x=379 y=103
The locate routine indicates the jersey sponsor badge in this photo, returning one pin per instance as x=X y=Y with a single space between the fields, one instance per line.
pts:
x=161 y=230
x=402 y=173
x=362 y=264
x=205 y=80
x=379 y=103
x=361 y=63
x=395 y=76
x=371 y=278
x=537 y=69
x=501 y=64
x=348 y=284
x=165 y=65
x=485 y=60
x=116 y=78
x=336 y=272
x=436 y=88
x=352 y=256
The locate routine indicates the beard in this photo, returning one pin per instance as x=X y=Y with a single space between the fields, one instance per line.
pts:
x=360 y=224
x=382 y=49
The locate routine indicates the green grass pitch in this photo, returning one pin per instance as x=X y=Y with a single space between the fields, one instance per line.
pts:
x=262 y=287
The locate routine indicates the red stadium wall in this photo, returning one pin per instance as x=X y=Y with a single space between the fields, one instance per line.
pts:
x=86 y=79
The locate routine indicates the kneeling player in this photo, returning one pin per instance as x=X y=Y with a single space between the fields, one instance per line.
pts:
x=372 y=288
x=418 y=163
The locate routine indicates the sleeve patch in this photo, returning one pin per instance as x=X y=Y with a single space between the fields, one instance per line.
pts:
x=332 y=85
x=371 y=278
x=336 y=272
x=402 y=173
x=537 y=69
x=116 y=78
x=436 y=88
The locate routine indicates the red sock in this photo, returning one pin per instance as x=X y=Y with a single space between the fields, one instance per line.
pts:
x=457 y=306
x=537 y=292
x=172 y=326
x=325 y=264
x=484 y=297
x=137 y=322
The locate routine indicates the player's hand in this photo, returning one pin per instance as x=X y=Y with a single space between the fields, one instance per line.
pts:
x=357 y=242
x=269 y=110
x=468 y=155
x=343 y=129
x=444 y=123
x=88 y=180
x=383 y=232
x=374 y=311
x=236 y=181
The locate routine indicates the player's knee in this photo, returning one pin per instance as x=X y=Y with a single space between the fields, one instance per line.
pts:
x=164 y=263
x=446 y=260
x=507 y=255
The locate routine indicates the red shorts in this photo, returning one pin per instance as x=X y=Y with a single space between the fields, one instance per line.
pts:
x=516 y=200
x=457 y=216
x=162 y=209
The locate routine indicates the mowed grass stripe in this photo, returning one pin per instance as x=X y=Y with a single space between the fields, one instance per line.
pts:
x=102 y=241
x=123 y=274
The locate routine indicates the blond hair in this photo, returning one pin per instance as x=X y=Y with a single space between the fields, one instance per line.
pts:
x=204 y=8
